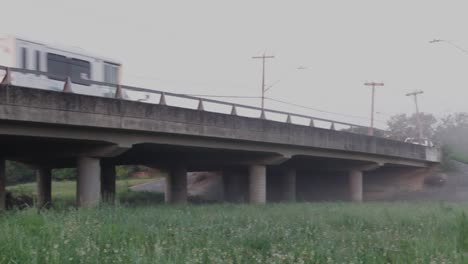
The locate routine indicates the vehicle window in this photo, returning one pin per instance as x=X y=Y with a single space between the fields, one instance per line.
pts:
x=80 y=71
x=111 y=73
x=24 y=58
x=57 y=66
x=38 y=60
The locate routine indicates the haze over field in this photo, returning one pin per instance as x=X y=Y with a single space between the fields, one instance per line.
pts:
x=205 y=47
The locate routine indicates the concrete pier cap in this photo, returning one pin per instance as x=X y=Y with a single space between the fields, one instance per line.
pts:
x=96 y=175
x=356 y=180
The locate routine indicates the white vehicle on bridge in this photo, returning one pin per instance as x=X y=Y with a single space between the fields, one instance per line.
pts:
x=425 y=142
x=59 y=63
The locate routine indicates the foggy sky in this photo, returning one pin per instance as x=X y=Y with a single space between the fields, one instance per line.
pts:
x=205 y=47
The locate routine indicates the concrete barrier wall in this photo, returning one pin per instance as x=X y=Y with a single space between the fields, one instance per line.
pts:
x=25 y=104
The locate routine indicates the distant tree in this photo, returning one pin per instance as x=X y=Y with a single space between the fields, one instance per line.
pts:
x=65 y=174
x=452 y=134
x=403 y=126
x=453 y=121
x=124 y=172
x=127 y=171
x=18 y=173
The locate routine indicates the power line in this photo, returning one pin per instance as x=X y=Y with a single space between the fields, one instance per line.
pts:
x=283 y=102
x=386 y=114
x=319 y=110
x=271 y=99
x=450 y=43
x=176 y=81
x=285 y=76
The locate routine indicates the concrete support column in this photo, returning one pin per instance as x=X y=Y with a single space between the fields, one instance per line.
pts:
x=108 y=181
x=88 y=185
x=355 y=185
x=289 y=185
x=2 y=184
x=44 y=187
x=257 y=184
x=176 y=185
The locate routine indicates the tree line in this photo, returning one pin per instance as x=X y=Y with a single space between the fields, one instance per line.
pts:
x=17 y=172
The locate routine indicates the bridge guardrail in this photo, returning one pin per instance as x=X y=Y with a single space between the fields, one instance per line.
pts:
x=120 y=93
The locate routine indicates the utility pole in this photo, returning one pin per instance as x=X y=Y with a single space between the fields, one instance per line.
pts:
x=263 y=57
x=373 y=85
x=418 y=118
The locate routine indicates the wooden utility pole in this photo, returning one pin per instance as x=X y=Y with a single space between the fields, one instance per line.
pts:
x=263 y=57
x=418 y=118
x=373 y=85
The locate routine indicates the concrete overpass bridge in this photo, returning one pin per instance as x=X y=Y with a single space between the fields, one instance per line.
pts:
x=261 y=159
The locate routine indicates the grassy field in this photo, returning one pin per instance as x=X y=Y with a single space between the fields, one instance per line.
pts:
x=224 y=233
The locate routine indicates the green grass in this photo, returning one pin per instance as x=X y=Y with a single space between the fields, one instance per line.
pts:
x=224 y=233
x=64 y=192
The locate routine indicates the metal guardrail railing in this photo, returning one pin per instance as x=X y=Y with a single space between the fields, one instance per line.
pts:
x=120 y=94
